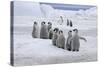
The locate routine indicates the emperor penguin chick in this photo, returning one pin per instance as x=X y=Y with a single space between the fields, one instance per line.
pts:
x=43 y=31
x=68 y=43
x=61 y=40
x=49 y=26
x=55 y=36
x=50 y=31
x=35 y=32
x=75 y=45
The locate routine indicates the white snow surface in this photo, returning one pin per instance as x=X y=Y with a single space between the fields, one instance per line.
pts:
x=30 y=51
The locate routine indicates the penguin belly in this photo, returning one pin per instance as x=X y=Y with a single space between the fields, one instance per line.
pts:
x=68 y=46
x=44 y=33
x=50 y=34
x=54 y=39
x=61 y=41
x=35 y=32
x=75 y=43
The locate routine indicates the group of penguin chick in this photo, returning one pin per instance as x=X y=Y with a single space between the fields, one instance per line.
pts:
x=57 y=36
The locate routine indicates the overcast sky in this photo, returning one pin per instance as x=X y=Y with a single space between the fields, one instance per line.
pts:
x=29 y=8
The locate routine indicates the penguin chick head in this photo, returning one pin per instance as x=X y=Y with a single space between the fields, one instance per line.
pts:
x=75 y=30
x=60 y=32
x=43 y=23
x=56 y=30
x=49 y=23
x=35 y=22
x=69 y=32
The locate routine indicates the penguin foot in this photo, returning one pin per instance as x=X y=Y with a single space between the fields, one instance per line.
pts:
x=69 y=49
x=77 y=50
x=62 y=47
x=54 y=44
x=58 y=47
x=73 y=50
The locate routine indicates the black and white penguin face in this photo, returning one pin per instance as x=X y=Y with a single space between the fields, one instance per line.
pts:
x=60 y=32
x=56 y=30
x=75 y=31
x=43 y=23
x=70 y=33
x=35 y=23
x=49 y=23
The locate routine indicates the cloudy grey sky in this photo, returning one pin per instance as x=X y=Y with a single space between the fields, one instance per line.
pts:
x=29 y=8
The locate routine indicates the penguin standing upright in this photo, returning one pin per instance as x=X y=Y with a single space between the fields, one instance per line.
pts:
x=50 y=31
x=35 y=32
x=68 y=43
x=43 y=31
x=61 y=40
x=55 y=36
x=61 y=22
x=49 y=26
x=67 y=22
x=71 y=24
x=75 y=45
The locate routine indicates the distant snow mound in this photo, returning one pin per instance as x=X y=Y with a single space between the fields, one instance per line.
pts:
x=47 y=10
x=49 y=13
x=92 y=11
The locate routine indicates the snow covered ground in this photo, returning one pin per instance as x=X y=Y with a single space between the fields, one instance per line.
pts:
x=30 y=51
